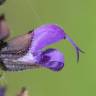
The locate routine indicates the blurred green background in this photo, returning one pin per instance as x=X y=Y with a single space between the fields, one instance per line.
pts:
x=78 y=17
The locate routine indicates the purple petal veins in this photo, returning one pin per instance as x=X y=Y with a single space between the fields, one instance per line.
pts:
x=52 y=59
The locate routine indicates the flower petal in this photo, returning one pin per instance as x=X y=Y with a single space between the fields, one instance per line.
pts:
x=52 y=59
x=48 y=34
x=2 y=90
x=45 y=35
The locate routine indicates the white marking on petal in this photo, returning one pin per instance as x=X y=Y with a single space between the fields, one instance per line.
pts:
x=28 y=58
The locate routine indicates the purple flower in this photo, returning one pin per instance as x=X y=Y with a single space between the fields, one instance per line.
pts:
x=50 y=58
x=2 y=90
x=28 y=51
